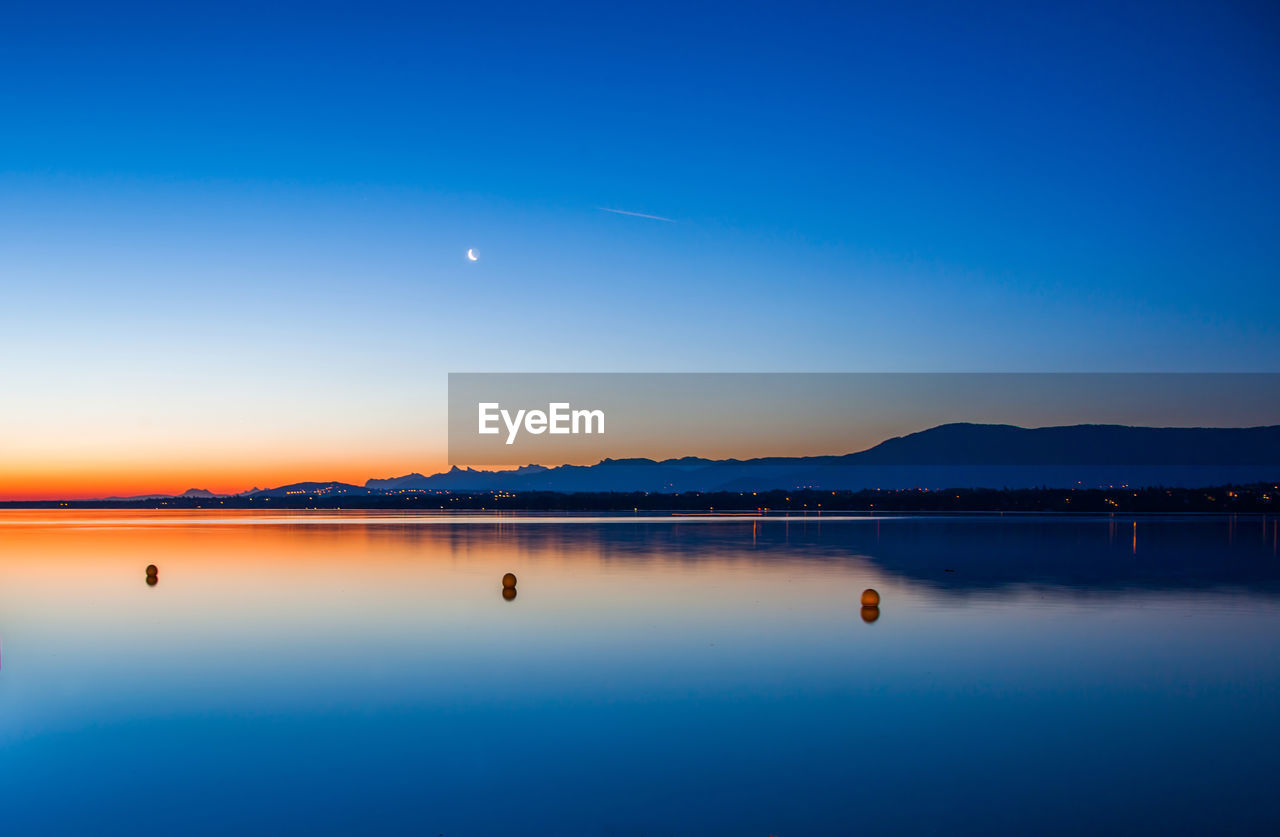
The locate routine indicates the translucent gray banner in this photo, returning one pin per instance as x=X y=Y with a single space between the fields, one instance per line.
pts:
x=860 y=430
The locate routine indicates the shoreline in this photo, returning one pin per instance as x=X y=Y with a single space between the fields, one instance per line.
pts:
x=1258 y=498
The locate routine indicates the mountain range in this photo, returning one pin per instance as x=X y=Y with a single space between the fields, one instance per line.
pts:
x=191 y=493
x=948 y=456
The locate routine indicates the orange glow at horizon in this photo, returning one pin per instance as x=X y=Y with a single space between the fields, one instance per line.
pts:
x=88 y=480
x=135 y=430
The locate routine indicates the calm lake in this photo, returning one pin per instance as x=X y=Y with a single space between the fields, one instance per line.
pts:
x=364 y=673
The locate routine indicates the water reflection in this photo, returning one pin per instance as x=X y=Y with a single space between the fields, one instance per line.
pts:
x=957 y=556
x=367 y=681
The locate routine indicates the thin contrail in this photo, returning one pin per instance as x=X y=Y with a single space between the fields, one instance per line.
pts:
x=636 y=214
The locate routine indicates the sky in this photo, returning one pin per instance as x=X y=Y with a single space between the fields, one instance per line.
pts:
x=232 y=239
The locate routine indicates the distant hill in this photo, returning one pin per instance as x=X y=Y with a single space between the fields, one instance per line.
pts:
x=199 y=493
x=319 y=489
x=137 y=497
x=947 y=456
x=415 y=480
x=1081 y=444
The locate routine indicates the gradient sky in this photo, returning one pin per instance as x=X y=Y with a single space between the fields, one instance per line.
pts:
x=232 y=239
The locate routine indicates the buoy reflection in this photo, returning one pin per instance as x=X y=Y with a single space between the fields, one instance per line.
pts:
x=870 y=614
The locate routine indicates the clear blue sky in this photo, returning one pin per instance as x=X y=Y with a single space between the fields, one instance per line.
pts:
x=288 y=194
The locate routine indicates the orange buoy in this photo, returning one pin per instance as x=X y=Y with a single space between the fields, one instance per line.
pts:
x=870 y=598
x=152 y=569
x=509 y=581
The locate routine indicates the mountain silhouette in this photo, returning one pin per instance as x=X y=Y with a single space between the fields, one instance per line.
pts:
x=321 y=489
x=948 y=456
x=190 y=493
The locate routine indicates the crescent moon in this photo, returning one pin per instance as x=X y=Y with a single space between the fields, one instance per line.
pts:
x=471 y=254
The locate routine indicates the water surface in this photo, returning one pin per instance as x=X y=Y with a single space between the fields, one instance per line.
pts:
x=322 y=672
